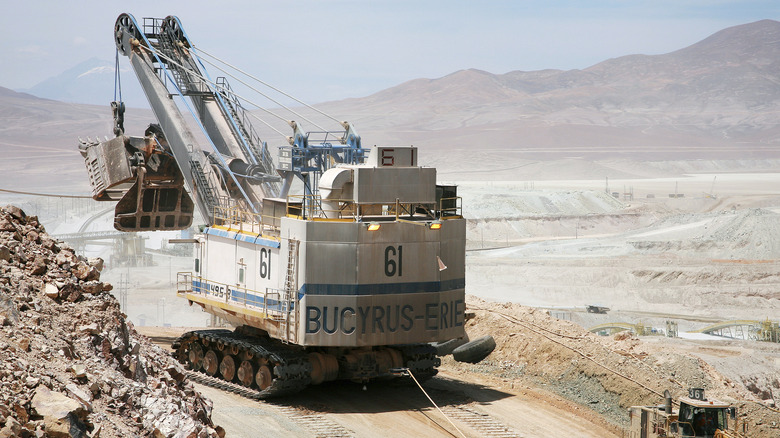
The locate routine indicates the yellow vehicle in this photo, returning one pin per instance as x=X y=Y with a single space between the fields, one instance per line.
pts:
x=696 y=417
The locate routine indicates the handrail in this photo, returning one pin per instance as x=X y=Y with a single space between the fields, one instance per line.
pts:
x=454 y=211
x=271 y=302
x=245 y=221
x=311 y=207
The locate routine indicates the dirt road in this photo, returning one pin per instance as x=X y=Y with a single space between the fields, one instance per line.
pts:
x=387 y=410
x=470 y=406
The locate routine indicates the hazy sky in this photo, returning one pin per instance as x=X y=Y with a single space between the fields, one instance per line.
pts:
x=327 y=50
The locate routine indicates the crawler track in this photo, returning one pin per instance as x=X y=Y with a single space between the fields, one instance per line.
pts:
x=259 y=367
x=244 y=364
x=214 y=382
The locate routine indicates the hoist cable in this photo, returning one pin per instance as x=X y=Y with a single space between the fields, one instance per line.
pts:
x=48 y=195
x=265 y=95
x=268 y=85
x=117 y=78
x=157 y=55
x=199 y=76
x=408 y=371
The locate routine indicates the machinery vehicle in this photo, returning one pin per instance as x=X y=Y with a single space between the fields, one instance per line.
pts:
x=592 y=308
x=696 y=417
x=351 y=278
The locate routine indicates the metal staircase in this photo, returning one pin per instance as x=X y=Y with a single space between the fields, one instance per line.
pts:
x=289 y=296
x=178 y=60
x=259 y=149
x=204 y=188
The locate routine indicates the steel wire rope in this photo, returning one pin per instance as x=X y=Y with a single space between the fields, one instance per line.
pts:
x=155 y=53
x=117 y=78
x=516 y=321
x=539 y=332
x=244 y=138
x=204 y=79
x=267 y=85
x=267 y=96
x=50 y=195
x=408 y=371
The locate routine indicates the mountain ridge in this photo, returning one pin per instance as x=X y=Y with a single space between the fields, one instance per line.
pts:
x=715 y=100
x=623 y=72
x=91 y=82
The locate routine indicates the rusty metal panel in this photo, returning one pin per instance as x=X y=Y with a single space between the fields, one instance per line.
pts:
x=150 y=205
x=384 y=287
x=387 y=319
x=109 y=170
x=383 y=185
x=453 y=249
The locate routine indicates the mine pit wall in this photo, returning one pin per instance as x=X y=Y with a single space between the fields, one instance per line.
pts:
x=363 y=288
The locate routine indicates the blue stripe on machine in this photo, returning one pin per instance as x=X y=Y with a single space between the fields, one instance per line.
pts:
x=381 y=289
x=240 y=296
x=257 y=240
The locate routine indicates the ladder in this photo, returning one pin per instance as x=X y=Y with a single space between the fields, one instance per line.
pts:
x=290 y=293
x=204 y=188
x=258 y=148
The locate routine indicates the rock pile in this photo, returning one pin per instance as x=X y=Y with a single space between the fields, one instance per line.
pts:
x=70 y=364
x=608 y=374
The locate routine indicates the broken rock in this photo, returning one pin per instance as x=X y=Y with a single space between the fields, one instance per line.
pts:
x=38 y=265
x=96 y=262
x=79 y=371
x=48 y=403
x=6 y=225
x=51 y=290
x=62 y=415
x=70 y=292
x=91 y=329
x=92 y=287
x=65 y=257
x=12 y=428
x=15 y=212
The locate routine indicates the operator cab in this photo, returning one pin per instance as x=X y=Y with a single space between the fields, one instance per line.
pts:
x=699 y=417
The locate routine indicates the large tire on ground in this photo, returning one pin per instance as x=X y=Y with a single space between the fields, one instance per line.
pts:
x=475 y=351
x=445 y=348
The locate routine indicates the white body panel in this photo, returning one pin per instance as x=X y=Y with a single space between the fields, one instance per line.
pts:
x=330 y=279
x=225 y=254
x=353 y=287
x=383 y=287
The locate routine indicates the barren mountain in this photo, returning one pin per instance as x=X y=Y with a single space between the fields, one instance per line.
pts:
x=715 y=103
x=92 y=82
x=716 y=99
x=39 y=139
